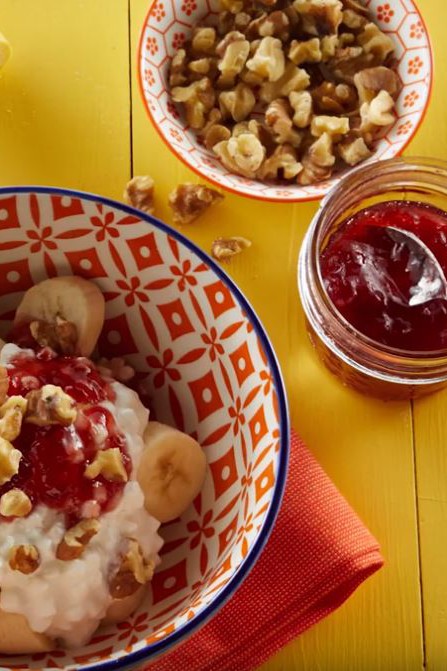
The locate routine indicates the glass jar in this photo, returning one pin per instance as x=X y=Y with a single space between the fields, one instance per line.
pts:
x=358 y=361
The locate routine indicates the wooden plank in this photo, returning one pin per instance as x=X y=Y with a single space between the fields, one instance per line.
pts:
x=430 y=414
x=366 y=446
x=64 y=95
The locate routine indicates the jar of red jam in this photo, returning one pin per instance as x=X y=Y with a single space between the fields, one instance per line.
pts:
x=362 y=269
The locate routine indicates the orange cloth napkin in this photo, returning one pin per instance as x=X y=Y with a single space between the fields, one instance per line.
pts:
x=319 y=552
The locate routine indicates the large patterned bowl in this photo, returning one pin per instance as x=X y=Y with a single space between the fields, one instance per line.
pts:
x=169 y=22
x=206 y=363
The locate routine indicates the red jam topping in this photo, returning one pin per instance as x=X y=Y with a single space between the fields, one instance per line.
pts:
x=55 y=457
x=369 y=275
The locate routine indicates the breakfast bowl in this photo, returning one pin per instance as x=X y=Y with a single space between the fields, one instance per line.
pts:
x=202 y=363
x=169 y=25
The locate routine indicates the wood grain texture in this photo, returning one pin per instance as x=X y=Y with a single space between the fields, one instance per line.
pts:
x=65 y=103
x=365 y=446
x=65 y=120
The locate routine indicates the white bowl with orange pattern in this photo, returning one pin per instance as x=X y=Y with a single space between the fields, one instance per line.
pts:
x=169 y=23
x=206 y=365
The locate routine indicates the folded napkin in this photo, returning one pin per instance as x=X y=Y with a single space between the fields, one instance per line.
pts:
x=317 y=555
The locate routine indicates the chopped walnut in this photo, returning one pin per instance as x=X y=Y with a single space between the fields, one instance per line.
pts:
x=9 y=461
x=15 y=503
x=318 y=161
x=237 y=103
x=356 y=6
x=11 y=416
x=61 y=336
x=371 y=81
x=200 y=67
x=235 y=50
x=189 y=201
x=198 y=99
x=305 y=52
x=293 y=79
x=203 y=41
x=242 y=21
x=375 y=42
x=332 y=125
x=279 y=117
x=353 y=150
x=76 y=539
x=301 y=102
x=177 y=71
x=50 y=405
x=216 y=133
x=378 y=112
x=319 y=17
x=109 y=464
x=354 y=20
x=276 y=24
x=140 y=193
x=233 y=6
x=24 y=558
x=268 y=61
x=282 y=163
x=223 y=249
x=242 y=155
x=135 y=570
x=328 y=46
x=334 y=98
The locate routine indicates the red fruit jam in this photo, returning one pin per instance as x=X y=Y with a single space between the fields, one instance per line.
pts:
x=369 y=276
x=55 y=457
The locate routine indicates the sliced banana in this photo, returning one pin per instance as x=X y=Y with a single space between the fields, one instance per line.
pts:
x=16 y=637
x=120 y=609
x=5 y=50
x=171 y=471
x=71 y=298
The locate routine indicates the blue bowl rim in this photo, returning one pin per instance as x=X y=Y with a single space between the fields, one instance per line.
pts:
x=149 y=652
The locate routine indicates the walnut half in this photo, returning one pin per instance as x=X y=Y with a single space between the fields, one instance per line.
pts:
x=76 y=539
x=15 y=503
x=24 y=558
x=135 y=570
x=9 y=461
x=189 y=201
x=50 y=405
x=109 y=464
x=223 y=249
x=139 y=193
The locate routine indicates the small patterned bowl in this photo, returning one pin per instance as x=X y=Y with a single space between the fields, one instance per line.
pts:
x=169 y=22
x=207 y=366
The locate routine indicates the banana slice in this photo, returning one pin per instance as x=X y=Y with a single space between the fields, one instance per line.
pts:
x=16 y=637
x=73 y=299
x=171 y=471
x=120 y=609
x=5 y=50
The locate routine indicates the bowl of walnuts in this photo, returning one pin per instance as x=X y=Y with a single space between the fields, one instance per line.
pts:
x=278 y=99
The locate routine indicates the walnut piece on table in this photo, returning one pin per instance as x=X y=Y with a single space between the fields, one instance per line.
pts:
x=223 y=249
x=189 y=201
x=139 y=193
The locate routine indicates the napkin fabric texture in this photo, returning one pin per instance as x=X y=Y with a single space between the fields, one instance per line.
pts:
x=319 y=552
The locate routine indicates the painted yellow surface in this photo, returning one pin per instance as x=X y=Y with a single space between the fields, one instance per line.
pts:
x=71 y=116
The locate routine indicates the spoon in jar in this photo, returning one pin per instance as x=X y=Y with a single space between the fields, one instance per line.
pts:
x=429 y=277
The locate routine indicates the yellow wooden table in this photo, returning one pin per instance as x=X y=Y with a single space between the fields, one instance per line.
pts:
x=71 y=115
